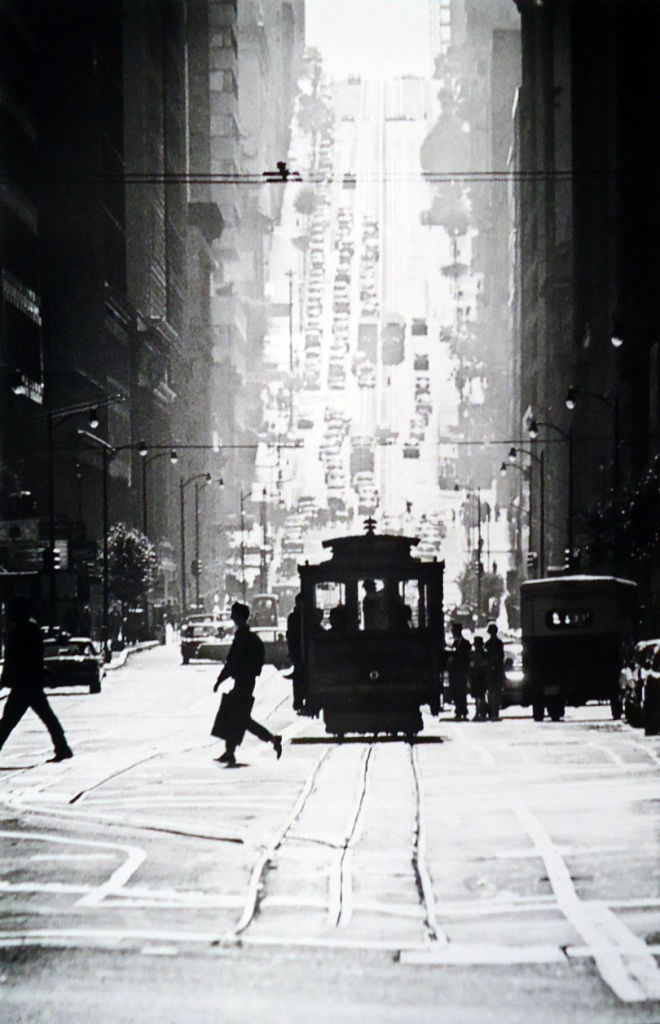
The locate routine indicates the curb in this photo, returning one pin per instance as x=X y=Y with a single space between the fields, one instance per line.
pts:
x=123 y=656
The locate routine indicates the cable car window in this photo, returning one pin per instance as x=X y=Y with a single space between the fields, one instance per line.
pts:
x=330 y=603
x=569 y=618
x=373 y=605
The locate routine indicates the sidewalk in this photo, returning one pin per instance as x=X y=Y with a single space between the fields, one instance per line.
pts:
x=119 y=658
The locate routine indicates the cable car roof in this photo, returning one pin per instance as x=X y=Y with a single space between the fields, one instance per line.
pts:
x=374 y=555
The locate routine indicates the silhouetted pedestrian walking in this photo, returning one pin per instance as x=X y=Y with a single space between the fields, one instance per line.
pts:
x=294 y=643
x=478 y=681
x=459 y=665
x=244 y=663
x=494 y=649
x=23 y=673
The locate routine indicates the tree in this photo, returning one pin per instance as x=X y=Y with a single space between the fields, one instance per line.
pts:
x=313 y=115
x=306 y=201
x=492 y=585
x=132 y=564
x=623 y=532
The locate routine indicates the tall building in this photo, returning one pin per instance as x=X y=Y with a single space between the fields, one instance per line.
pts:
x=587 y=243
x=21 y=302
x=106 y=256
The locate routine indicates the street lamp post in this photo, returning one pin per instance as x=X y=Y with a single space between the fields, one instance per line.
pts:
x=289 y=274
x=614 y=406
x=109 y=452
x=513 y=454
x=145 y=463
x=54 y=418
x=182 y=486
x=566 y=435
x=197 y=567
x=242 y=498
x=206 y=477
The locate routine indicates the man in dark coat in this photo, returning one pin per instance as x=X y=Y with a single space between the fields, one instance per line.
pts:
x=459 y=667
x=244 y=663
x=494 y=649
x=23 y=673
x=373 y=607
x=294 y=644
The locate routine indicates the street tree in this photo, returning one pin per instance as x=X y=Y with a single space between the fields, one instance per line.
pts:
x=306 y=201
x=475 y=591
x=132 y=564
x=622 y=531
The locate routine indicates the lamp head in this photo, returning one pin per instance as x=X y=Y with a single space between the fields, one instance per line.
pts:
x=221 y=482
x=93 y=419
x=503 y=469
x=617 y=335
x=533 y=430
x=513 y=454
x=208 y=478
x=174 y=458
x=143 y=450
x=570 y=399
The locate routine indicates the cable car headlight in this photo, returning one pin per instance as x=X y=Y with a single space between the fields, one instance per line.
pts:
x=374 y=674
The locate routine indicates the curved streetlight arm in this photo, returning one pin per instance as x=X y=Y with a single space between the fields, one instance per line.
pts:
x=515 y=451
x=613 y=404
x=109 y=451
x=535 y=424
x=54 y=417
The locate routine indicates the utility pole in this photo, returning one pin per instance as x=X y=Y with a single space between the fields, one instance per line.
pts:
x=264 y=562
x=480 y=566
x=289 y=274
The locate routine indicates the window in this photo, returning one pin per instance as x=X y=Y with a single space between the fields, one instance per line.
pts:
x=569 y=618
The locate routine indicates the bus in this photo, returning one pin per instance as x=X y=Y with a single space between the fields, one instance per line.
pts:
x=575 y=630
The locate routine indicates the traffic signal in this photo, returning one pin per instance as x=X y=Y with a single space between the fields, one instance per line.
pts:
x=532 y=558
x=196 y=567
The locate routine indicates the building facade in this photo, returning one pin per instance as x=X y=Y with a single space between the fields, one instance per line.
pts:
x=121 y=229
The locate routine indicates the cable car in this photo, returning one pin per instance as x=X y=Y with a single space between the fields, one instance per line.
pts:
x=379 y=657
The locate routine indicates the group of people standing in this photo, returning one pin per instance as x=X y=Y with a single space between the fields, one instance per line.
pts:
x=477 y=669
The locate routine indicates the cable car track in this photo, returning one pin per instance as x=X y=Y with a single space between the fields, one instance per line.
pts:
x=341 y=906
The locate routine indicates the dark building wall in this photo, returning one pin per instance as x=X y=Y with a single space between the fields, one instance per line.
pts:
x=97 y=228
x=21 y=352
x=589 y=235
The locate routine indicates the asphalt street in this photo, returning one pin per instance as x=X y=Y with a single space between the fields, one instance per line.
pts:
x=504 y=870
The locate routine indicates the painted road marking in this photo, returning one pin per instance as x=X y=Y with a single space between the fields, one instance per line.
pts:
x=414 y=955
x=135 y=856
x=480 y=955
x=68 y=857
x=623 y=960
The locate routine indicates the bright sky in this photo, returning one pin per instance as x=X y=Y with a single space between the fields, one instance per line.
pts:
x=377 y=39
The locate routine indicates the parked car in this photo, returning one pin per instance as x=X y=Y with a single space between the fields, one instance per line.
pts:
x=642 y=663
x=513 y=674
x=73 y=661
